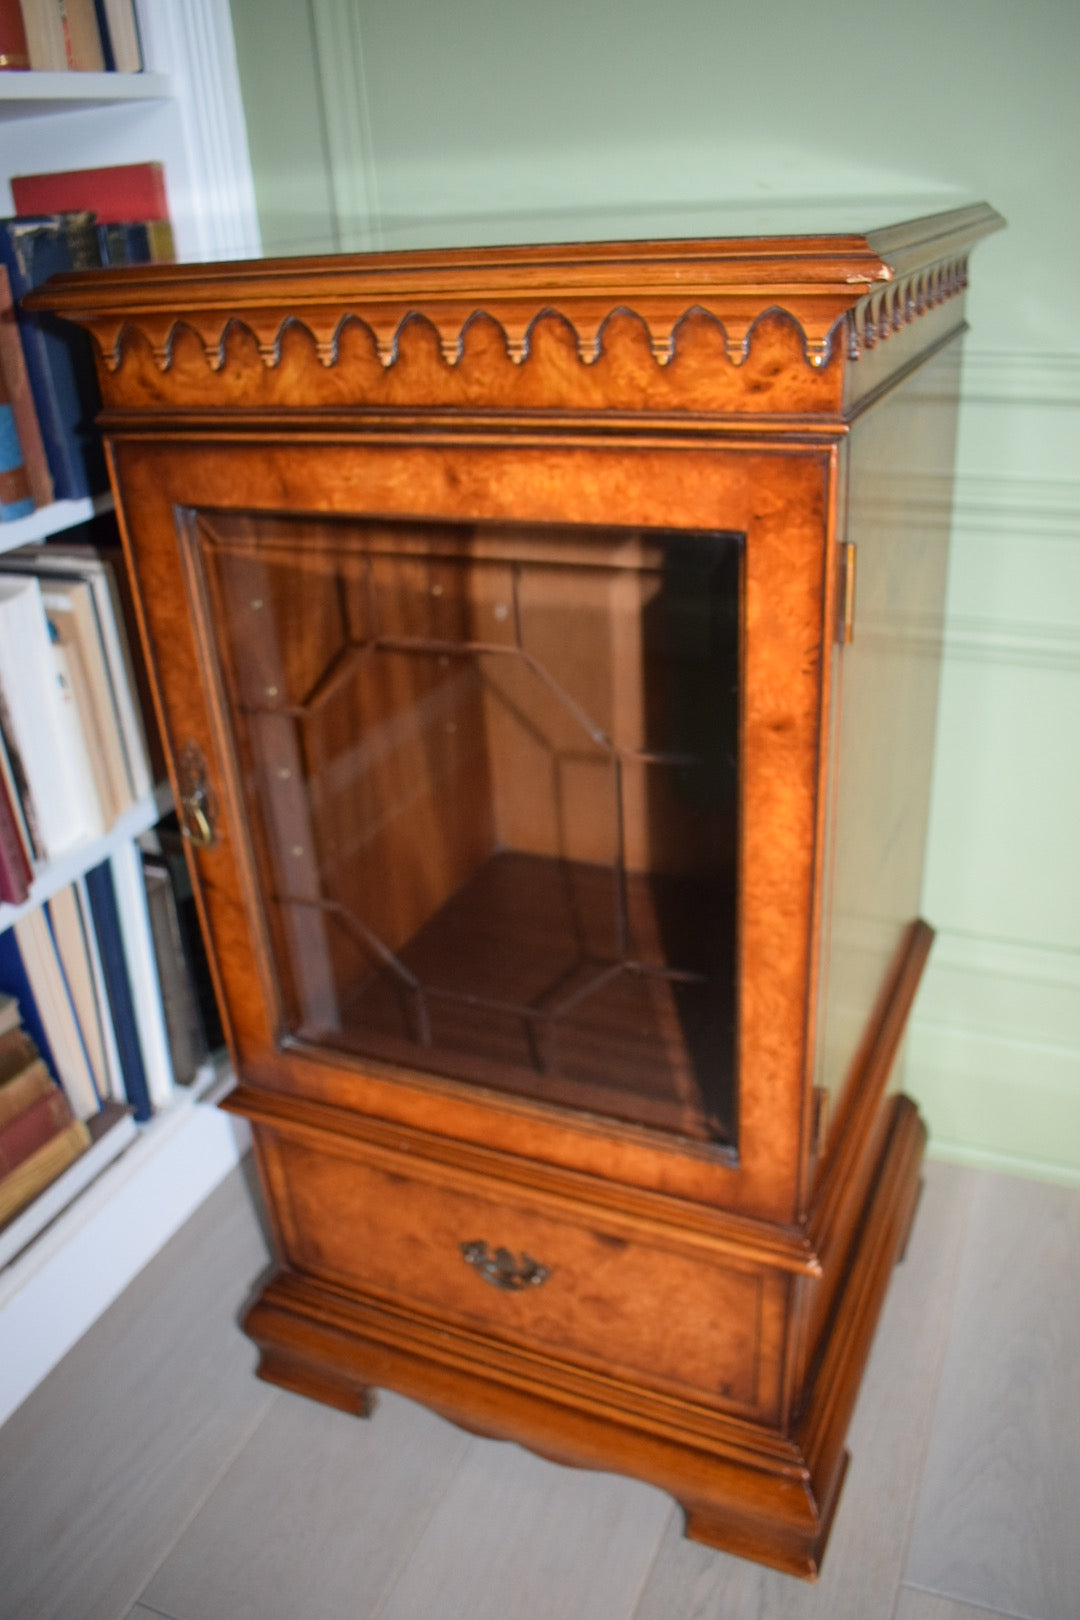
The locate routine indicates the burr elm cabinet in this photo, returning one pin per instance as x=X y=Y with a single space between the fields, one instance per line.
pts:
x=546 y=644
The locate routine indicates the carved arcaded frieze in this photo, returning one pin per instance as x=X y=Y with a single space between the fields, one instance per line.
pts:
x=452 y=342
x=619 y=363
x=889 y=308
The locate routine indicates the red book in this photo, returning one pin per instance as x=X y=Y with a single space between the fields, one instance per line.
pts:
x=15 y=870
x=30 y=1130
x=13 y=48
x=124 y=194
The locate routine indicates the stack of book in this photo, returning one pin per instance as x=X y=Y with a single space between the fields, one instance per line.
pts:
x=74 y=754
x=72 y=220
x=59 y=36
x=40 y=1135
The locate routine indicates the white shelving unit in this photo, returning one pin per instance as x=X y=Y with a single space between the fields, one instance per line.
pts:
x=67 y=1257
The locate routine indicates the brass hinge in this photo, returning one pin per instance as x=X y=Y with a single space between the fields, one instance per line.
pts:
x=846 y=630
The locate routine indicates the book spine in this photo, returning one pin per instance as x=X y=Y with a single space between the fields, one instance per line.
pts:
x=44 y=35
x=15 y=980
x=31 y=1129
x=106 y=918
x=42 y=1168
x=20 y=395
x=126 y=867
x=16 y=500
x=27 y=1087
x=16 y=873
x=105 y=34
x=14 y=51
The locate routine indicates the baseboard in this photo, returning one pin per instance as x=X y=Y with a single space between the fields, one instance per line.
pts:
x=57 y=1289
x=993 y=1056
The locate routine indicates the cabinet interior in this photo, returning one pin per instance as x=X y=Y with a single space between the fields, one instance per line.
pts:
x=491 y=777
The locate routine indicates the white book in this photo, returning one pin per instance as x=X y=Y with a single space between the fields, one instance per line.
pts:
x=82 y=563
x=40 y=725
x=134 y=914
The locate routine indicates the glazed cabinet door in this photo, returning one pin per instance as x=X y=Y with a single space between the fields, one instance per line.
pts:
x=466 y=792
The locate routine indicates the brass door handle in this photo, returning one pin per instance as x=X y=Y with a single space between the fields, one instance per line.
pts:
x=503 y=1269
x=196 y=800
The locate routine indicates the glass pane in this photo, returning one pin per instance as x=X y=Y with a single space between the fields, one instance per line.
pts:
x=491 y=776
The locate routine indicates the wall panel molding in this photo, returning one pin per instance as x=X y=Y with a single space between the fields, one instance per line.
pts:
x=1021 y=377
x=993 y=1056
x=340 y=62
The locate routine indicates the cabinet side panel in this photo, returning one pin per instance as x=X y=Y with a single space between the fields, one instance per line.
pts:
x=885 y=703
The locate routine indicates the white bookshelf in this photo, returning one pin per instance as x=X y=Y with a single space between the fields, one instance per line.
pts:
x=31 y=95
x=50 y=520
x=67 y=1257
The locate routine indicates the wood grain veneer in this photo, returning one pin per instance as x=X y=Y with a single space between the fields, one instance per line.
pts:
x=333 y=479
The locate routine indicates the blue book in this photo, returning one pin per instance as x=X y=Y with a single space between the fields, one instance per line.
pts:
x=59 y=359
x=14 y=982
x=99 y=887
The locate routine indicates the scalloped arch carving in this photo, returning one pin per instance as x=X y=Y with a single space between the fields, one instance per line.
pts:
x=622 y=364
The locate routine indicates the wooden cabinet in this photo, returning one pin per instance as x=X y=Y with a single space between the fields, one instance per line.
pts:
x=548 y=658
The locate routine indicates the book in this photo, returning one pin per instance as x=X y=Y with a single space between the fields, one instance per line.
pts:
x=133 y=913
x=69 y=934
x=45 y=36
x=16 y=872
x=42 y=1168
x=9 y=1015
x=106 y=918
x=25 y=1087
x=15 y=982
x=41 y=718
x=114 y=1071
x=15 y=789
x=67 y=562
x=119 y=194
x=14 y=51
x=183 y=1022
x=17 y=1051
x=119 y=25
x=29 y=1130
x=59 y=360
x=21 y=398
x=51 y=993
x=69 y=610
x=168 y=841
x=82 y=37
x=16 y=501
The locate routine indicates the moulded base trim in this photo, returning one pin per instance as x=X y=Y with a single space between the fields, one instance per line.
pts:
x=746 y=1487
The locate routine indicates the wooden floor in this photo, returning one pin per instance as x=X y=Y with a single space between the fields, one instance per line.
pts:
x=152 y=1475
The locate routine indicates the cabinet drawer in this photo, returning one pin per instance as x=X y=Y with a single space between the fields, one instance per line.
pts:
x=680 y=1320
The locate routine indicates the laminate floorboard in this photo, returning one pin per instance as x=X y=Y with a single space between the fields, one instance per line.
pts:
x=925 y=1606
x=887 y=1440
x=152 y=1477
x=315 y=1518
x=518 y=1536
x=113 y=1453
x=1000 y=1506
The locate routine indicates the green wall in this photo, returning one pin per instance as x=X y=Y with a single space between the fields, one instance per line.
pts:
x=426 y=123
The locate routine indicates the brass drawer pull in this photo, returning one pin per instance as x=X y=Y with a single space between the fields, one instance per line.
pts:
x=503 y=1269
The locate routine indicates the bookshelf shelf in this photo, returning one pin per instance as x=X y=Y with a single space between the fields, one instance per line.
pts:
x=50 y=520
x=30 y=95
x=80 y=858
